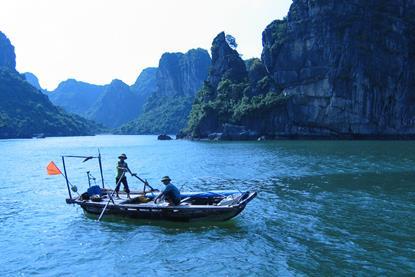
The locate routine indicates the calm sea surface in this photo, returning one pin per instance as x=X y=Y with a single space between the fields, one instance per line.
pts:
x=323 y=208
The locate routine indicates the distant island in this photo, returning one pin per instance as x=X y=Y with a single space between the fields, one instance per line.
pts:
x=158 y=102
x=25 y=111
x=330 y=69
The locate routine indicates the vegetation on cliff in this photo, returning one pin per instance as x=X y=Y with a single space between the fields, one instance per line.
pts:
x=332 y=68
x=25 y=111
x=234 y=92
x=179 y=77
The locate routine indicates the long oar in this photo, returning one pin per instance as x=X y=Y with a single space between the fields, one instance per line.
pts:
x=145 y=183
x=110 y=197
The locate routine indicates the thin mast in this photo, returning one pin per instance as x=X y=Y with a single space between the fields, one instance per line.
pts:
x=66 y=178
x=100 y=168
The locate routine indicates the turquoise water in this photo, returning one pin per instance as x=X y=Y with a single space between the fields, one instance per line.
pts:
x=323 y=208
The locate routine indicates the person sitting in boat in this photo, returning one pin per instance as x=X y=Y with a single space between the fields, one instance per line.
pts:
x=170 y=193
x=122 y=168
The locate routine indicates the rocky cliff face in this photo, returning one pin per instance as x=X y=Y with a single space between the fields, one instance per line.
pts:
x=7 y=55
x=224 y=84
x=226 y=63
x=76 y=96
x=178 y=78
x=115 y=106
x=348 y=68
x=182 y=74
x=335 y=68
x=145 y=85
x=33 y=80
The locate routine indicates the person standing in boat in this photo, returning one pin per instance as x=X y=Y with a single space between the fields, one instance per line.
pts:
x=170 y=193
x=122 y=167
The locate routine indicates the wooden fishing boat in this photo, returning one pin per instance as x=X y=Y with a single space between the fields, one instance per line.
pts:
x=218 y=205
x=194 y=206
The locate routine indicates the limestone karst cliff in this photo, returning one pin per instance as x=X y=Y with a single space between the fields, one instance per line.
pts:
x=334 y=68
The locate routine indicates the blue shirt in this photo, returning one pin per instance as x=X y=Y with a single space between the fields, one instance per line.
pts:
x=172 y=192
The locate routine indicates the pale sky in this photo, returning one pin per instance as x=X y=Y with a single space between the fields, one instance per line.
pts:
x=100 y=40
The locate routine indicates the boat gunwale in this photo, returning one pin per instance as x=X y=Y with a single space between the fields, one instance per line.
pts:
x=252 y=194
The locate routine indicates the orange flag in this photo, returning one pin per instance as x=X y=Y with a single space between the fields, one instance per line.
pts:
x=53 y=169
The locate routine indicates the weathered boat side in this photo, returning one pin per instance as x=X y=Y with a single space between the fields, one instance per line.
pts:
x=213 y=205
x=162 y=212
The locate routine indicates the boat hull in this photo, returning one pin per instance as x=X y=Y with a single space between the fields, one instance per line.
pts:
x=153 y=211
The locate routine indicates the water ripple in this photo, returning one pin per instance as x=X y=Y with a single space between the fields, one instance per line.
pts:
x=323 y=208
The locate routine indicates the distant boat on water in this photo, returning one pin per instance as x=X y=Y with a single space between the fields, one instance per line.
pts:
x=38 y=136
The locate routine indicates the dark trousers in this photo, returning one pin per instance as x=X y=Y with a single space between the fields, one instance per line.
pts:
x=124 y=182
x=172 y=200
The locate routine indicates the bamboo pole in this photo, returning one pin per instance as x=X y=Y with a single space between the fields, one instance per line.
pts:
x=66 y=178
